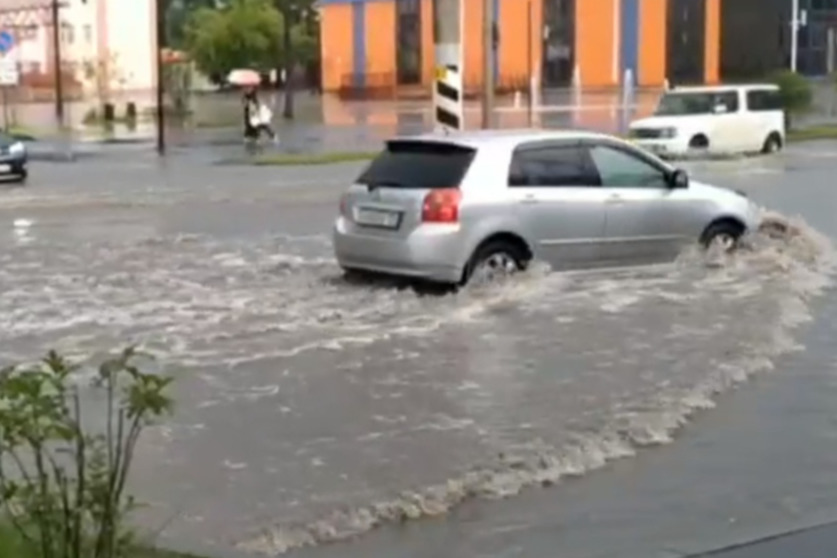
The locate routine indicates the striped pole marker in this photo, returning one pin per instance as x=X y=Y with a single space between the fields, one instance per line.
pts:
x=447 y=99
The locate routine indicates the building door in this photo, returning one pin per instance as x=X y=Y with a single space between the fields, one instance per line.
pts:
x=686 y=41
x=407 y=41
x=558 y=42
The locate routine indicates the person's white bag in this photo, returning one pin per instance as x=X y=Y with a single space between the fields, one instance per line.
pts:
x=265 y=114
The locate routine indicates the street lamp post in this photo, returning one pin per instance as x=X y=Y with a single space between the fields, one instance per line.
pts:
x=56 y=61
x=794 y=33
x=161 y=43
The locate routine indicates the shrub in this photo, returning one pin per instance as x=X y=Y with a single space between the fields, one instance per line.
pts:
x=62 y=480
x=796 y=93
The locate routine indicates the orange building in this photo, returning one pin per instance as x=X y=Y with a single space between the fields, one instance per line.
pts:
x=384 y=44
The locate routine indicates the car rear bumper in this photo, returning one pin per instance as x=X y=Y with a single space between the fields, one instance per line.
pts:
x=431 y=252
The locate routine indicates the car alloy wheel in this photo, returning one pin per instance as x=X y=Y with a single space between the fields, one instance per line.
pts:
x=496 y=266
x=724 y=241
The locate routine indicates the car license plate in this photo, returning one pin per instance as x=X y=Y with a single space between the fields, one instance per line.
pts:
x=5 y=168
x=377 y=218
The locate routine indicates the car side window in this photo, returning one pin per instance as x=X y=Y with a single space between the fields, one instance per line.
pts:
x=618 y=168
x=552 y=166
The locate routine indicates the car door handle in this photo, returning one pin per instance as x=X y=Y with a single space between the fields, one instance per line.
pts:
x=614 y=200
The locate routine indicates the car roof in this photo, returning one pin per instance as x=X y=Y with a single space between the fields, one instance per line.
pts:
x=480 y=139
x=724 y=87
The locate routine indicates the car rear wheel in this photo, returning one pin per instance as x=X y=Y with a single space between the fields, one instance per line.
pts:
x=772 y=144
x=723 y=236
x=494 y=261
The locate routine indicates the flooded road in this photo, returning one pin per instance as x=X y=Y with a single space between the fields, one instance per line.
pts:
x=310 y=410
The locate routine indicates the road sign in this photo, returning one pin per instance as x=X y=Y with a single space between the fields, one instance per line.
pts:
x=7 y=41
x=9 y=74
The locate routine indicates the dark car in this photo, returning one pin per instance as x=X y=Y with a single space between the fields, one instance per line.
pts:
x=13 y=158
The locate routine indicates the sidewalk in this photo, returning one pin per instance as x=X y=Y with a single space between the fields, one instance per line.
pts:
x=813 y=542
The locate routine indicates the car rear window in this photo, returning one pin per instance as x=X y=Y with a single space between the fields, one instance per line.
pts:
x=418 y=164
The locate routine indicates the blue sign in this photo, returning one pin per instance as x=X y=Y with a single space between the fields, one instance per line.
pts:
x=7 y=41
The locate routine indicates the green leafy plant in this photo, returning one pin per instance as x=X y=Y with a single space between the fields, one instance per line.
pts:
x=62 y=475
x=796 y=92
x=242 y=34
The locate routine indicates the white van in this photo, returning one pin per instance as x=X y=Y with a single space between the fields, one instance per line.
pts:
x=715 y=119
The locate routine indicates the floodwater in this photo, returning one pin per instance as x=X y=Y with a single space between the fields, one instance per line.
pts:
x=311 y=410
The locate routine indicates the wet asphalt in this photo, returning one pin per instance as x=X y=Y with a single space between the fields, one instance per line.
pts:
x=310 y=409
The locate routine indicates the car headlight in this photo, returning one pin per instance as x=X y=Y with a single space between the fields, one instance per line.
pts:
x=17 y=148
x=668 y=133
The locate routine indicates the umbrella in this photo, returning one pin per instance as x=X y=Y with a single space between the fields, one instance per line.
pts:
x=244 y=78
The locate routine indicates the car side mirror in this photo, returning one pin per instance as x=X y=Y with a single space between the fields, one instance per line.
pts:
x=678 y=179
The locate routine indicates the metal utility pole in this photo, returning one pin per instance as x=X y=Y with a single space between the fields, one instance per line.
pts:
x=488 y=44
x=56 y=60
x=529 y=100
x=794 y=33
x=161 y=82
x=448 y=90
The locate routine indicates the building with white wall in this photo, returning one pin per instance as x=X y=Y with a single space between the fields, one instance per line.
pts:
x=108 y=46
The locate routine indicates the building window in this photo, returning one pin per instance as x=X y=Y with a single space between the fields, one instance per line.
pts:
x=88 y=33
x=67 y=34
x=408 y=41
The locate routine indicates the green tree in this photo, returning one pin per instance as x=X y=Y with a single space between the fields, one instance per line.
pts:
x=243 y=34
x=796 y=92
x=296 y=44
x=177 y=14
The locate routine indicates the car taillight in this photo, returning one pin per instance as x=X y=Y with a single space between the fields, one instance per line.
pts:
x=441 y=206
x=344 y=205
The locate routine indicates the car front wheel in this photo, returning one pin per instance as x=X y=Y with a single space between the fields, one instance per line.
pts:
x=723 y=236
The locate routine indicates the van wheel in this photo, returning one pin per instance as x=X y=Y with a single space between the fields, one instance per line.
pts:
x=699 y=142
x=495 y=260
x=772 y=144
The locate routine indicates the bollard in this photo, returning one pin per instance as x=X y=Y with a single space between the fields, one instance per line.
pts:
x=108 y=112
x=576 y=85
x=627 y=100
x=517 y=99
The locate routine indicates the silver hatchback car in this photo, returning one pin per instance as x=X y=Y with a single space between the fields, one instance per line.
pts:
x=445 y=208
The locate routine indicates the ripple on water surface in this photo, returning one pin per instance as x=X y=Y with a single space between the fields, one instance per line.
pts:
x=312 y=410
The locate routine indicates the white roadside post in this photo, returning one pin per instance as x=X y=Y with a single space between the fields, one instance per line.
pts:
x=448 y=94
x=9 y=79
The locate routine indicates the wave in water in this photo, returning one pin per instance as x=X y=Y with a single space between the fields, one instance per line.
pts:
x=790 y=263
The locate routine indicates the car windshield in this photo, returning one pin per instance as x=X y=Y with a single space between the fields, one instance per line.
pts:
x=418 y=164
x=679 y=104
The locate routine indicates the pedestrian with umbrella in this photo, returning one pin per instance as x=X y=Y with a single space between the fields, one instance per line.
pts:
x=257 y=115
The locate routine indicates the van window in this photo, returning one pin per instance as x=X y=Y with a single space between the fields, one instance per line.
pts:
x=759 y=100
x=676 y=103
x=418 y=164
x=729 y=99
